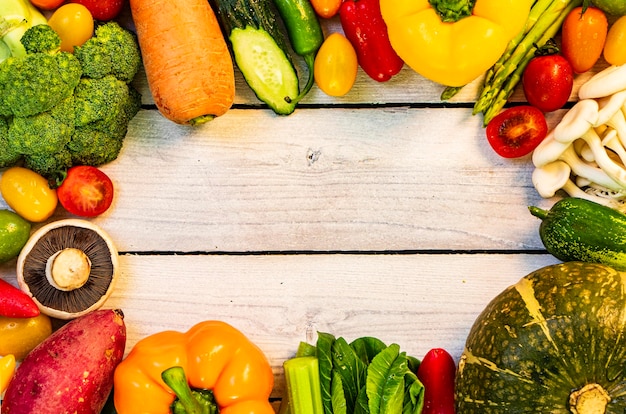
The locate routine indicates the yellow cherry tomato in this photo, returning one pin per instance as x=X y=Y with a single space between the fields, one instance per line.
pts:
x=28 y=194
x=73 y=22
x=336 y=65
x=615 y=44
x=19 y=336
x=7 y=368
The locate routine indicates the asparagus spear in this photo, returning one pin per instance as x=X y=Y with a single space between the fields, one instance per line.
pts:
x=506 y=76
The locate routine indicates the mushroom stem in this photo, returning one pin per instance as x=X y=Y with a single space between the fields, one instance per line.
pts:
x=68 y=269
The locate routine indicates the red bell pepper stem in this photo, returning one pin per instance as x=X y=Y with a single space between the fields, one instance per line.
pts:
x=16 y=304
x=437 y=372
x=364 y=27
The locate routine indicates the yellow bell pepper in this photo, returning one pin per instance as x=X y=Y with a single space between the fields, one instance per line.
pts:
x=213 y=356
x=453 y=42
x=7 y=368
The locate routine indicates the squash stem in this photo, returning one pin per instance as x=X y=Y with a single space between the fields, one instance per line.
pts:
x=538 y=212
x=590 y=399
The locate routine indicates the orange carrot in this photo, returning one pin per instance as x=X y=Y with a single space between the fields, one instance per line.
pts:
x=187 y=62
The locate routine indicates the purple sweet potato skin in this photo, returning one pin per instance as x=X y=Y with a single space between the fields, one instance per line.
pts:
x=72 y=370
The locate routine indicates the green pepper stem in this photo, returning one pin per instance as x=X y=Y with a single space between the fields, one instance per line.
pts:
x=176 y=379
x=538 y=212
x=451 y=11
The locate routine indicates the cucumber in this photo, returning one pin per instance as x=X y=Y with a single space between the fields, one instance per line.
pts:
x=575 y=229
x=260 y=48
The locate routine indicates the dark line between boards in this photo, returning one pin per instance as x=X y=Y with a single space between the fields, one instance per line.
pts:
x=408 y=252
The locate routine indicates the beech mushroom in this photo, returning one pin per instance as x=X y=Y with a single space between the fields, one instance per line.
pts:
x=604 y=83
x=68 y=267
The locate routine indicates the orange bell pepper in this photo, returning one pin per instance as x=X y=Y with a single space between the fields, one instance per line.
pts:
x=213 y=355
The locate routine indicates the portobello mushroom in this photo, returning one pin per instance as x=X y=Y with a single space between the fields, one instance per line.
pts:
x=68 y=267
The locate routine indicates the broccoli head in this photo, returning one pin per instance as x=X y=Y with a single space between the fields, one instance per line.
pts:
x=104 y=107
x=9 y=156
x=37 y=81
x=112 y=50
x=44 y=133
x=41 y=39
x=52 y=166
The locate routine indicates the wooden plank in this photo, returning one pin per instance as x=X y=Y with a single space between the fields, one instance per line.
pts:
x=320 y=179
x=419 y=301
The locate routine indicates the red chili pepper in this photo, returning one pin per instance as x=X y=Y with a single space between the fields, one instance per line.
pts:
x=14 y=303
x=363 y=25
x=436 y=372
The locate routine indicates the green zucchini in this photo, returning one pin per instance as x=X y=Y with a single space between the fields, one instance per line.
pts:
x=579 y=229
x=260 y=49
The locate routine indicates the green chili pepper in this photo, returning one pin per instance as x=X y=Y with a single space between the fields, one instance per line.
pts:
x=305 y=33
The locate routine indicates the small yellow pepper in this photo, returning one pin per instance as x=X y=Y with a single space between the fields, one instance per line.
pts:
x=7 y=368
x=453 y=42
x=213 y=356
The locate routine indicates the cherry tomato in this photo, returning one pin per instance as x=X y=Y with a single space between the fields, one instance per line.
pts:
x=326 y=8
x=517 y=131
x=47 y=4
x=103 y=10
x=86 y=191
x=336 y=65
x=28 y=194
x=73 y=23
x=615 y=45
x=548 y=81
x=437 y=371
x=583 y=36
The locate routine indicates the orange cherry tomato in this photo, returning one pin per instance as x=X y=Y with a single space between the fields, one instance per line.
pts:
x=615 y=46
x=336 y=65
x=583 y=36
x=326 y=8
x=47 y=4
x=73 y=22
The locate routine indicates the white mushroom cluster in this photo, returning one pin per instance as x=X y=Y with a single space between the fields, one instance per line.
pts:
x=585 y=154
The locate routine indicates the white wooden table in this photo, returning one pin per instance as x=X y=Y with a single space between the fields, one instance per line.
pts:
x=382 y=213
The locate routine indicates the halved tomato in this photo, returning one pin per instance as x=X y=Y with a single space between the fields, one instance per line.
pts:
x=86 y=191
x=517 y=131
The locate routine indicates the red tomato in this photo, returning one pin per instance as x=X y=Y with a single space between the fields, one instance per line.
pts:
x=47 y=4
x=86 y=191
x=437 y=371
x=548 y=81
x=517 y=131
x=103 y=10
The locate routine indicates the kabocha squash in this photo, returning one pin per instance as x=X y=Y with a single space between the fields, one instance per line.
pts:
x=552 y=343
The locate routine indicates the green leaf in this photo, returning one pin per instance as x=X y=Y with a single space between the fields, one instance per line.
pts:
x=385 y=381
x=352 y=369
x=367 y=347
x=413 y=394
x=324 y=355
x=362 y=402
x=305 y=349
x=338 y=400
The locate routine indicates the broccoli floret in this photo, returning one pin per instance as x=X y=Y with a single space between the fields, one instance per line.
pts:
x=9 y=156
x=38 y=81
x=44 y=133
x=52 y=166
x=104 y=107
x=41 y=39
x=113 y=50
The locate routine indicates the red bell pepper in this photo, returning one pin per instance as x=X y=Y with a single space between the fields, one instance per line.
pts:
x=436 y=372
x=363 y=25
x=16 y=304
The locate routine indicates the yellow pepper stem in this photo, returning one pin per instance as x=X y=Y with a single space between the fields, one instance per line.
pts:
x=176 y=379
x=452 y=11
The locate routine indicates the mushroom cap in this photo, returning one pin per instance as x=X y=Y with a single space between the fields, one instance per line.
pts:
x=67 y=300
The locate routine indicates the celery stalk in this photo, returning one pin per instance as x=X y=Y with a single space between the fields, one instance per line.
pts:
x=303 y=385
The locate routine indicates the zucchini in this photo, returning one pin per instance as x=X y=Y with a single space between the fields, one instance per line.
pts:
x=578 y=229
x=260 y=49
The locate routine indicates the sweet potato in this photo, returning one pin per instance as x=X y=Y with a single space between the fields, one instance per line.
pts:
x=72 y=370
